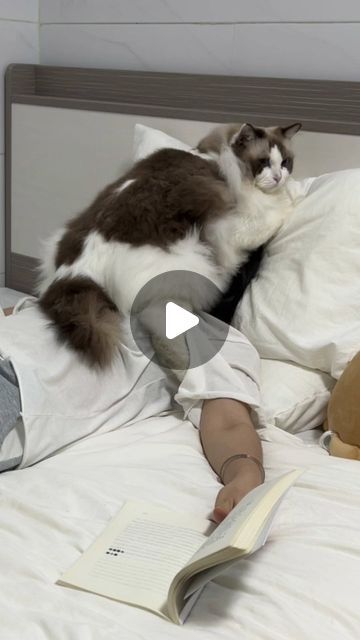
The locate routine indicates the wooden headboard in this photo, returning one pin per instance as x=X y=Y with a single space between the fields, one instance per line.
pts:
x=69 y=132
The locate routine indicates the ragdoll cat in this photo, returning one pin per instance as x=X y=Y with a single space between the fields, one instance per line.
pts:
x=260 y=170
x=200 y=211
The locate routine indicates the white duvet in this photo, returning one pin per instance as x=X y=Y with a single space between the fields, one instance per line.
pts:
x=304 y=584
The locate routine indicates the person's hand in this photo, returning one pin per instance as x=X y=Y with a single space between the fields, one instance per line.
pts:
x=230 y=495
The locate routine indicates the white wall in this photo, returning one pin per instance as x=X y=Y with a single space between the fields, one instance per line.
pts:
x=19 y=42
x=303 y=38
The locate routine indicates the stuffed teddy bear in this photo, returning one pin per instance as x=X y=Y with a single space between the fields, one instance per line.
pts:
x=343 y=414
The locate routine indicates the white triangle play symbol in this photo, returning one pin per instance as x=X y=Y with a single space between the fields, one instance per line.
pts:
x=178 y=320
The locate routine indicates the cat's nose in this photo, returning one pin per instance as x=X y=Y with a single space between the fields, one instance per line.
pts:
x=277 y=177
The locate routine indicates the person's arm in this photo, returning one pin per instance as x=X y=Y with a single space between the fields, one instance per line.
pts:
x=226 y=429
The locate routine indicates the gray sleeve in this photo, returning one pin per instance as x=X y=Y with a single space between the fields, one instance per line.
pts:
x=10 y=408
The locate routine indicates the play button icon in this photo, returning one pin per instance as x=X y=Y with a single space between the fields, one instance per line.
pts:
x=178 y=320
x=169 y=323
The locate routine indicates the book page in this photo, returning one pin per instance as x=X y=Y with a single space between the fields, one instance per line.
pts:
x=256 y=504
x=189 y=603
x=138 y=554
x=204 y=576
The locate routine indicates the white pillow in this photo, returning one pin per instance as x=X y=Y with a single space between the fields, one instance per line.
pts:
x=147 y=140
x=304 y=305
x=293 y=398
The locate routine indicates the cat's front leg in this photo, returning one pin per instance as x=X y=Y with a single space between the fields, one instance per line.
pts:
x=230 y=169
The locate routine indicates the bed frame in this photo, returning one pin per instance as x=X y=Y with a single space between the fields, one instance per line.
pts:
x=69 y=131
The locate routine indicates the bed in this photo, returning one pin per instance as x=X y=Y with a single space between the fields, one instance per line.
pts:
x=68 y=132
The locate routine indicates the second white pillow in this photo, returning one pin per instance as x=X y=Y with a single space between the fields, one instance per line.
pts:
x=293 y=398
x=304 y=306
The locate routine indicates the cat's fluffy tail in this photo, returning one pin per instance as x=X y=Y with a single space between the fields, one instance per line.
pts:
x=84 y=317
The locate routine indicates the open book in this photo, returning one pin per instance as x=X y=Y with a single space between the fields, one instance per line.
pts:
x=161 y=560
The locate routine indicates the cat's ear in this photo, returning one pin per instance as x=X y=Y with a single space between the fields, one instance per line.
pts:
x=247 y=134
x=289 y=132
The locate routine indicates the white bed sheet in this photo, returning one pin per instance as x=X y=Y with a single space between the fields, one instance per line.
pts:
x=303 y=584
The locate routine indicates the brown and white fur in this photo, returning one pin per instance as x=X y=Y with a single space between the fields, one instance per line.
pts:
x=257 y=163
x=201 y=211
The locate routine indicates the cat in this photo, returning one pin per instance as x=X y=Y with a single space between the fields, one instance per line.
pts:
x=201 y=211
x=261 y=171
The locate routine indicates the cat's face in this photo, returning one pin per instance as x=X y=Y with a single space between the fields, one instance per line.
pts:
x=265 y=154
